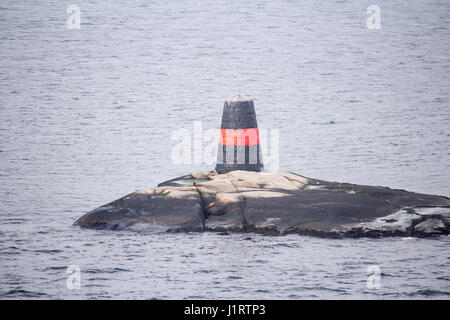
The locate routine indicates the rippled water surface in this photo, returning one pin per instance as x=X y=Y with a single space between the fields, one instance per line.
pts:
x=86 y=116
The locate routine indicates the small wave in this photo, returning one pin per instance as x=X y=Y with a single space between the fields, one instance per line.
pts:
x=10 y=253
x=296 y=296
x=322 y=288
x=263 y=291
x=260 y=261
x=429 y=293
x=93 y=285
x=48 y=251
x=98 y=279
x=111 y=270
x=57 y=268
x=284 y=245
x=203 y=271
x=194 y=297
x=23 y=293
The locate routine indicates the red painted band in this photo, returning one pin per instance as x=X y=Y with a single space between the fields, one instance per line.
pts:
x=239 y=137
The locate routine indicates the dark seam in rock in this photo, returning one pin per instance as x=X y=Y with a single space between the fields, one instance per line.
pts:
x=424 y=218
x=204 y=214
x=244 y=221
x=242 y=207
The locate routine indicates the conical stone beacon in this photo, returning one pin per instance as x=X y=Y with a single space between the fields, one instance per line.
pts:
x=239 y=147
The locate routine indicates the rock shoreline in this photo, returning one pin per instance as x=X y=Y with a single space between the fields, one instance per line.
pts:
x=276 y=203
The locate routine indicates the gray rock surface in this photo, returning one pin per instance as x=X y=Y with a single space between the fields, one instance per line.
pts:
x=276 y=203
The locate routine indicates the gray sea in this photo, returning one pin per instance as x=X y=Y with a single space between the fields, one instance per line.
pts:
x=87 y=116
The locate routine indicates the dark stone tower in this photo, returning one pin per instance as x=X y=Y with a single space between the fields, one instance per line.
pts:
x=239 y=137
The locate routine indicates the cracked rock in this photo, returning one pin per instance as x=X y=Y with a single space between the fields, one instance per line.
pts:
x=275 y=203
x=430 y=226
